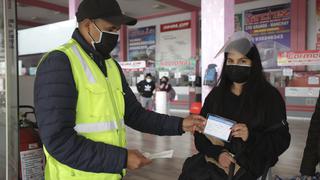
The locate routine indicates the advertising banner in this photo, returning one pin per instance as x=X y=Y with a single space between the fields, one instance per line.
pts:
x=142 y=44
x=174 y=52
x=133 y=65
x=270 y=29
x=299 y=58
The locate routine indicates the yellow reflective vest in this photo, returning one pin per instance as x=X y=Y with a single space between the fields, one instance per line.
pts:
x=99 y=112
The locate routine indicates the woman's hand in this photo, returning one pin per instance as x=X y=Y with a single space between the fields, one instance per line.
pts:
x=240 y=131
x=225 y=159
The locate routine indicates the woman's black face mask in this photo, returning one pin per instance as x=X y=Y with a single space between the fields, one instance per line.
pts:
x=238 y=73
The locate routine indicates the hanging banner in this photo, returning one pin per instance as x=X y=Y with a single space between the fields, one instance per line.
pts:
x=270 y=29
x=174 y=53
x=299 y=58
x=142 y=44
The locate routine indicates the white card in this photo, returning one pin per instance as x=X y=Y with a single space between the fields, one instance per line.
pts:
x=219 y=127
x=160 y=155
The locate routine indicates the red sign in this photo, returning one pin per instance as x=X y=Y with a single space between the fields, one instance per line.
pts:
x=174 y=63
x=176 y=26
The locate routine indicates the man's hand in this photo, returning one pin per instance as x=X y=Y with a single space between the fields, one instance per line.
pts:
x=136 y=160
x=240 y=131
x=225 y=159
x=194 y=123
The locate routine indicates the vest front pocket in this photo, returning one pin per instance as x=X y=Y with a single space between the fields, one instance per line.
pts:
x=97 y=100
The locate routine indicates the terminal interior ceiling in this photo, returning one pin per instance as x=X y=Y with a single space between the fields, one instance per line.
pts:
x=168 y=40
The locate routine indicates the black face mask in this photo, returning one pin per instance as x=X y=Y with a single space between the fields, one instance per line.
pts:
x=163 y=82
x=106 y=43
x=238 y=74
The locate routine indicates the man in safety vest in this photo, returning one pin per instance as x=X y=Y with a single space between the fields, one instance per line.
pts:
x=83 y=102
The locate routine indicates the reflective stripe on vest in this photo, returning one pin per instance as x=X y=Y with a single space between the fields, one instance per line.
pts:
x=84 y=64
x=97 y=127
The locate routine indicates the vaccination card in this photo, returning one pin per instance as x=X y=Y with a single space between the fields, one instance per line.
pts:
x=219 y=127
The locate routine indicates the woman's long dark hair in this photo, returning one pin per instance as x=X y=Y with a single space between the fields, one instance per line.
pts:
x=253 y=90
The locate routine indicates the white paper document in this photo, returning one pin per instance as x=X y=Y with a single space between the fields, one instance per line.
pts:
x=219 y=127
x=160 y=155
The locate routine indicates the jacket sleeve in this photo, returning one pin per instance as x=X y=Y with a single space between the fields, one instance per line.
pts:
x=55 y=103
x=310 y=157
x=202 y=143
x=139 y=87
x=264 y=148
x=146 y=121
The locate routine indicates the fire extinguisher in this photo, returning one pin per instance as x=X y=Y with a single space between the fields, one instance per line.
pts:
x=30 y=147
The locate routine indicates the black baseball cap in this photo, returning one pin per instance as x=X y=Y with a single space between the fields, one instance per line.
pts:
x=105 y=9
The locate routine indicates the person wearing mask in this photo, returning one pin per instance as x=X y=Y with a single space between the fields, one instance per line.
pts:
x=83 y=102
x=311 y=155
x=145 y=89
x=166 y=86
x=261 y=132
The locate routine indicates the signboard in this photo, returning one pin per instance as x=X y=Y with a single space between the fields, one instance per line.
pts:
x=270 y=29
x=133 y=65
x=142 y=44
x=174 y=52
x=302 y=92
x=299 y=58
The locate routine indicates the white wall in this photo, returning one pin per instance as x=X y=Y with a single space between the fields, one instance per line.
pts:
x=44 y=38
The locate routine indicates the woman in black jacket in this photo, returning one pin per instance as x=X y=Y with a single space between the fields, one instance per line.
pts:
x=311 y=156
x=243 y=95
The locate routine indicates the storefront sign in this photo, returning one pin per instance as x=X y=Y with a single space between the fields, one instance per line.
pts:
x=142 y=44
x=302 y=92
x=299 y=58
x=133 y=65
